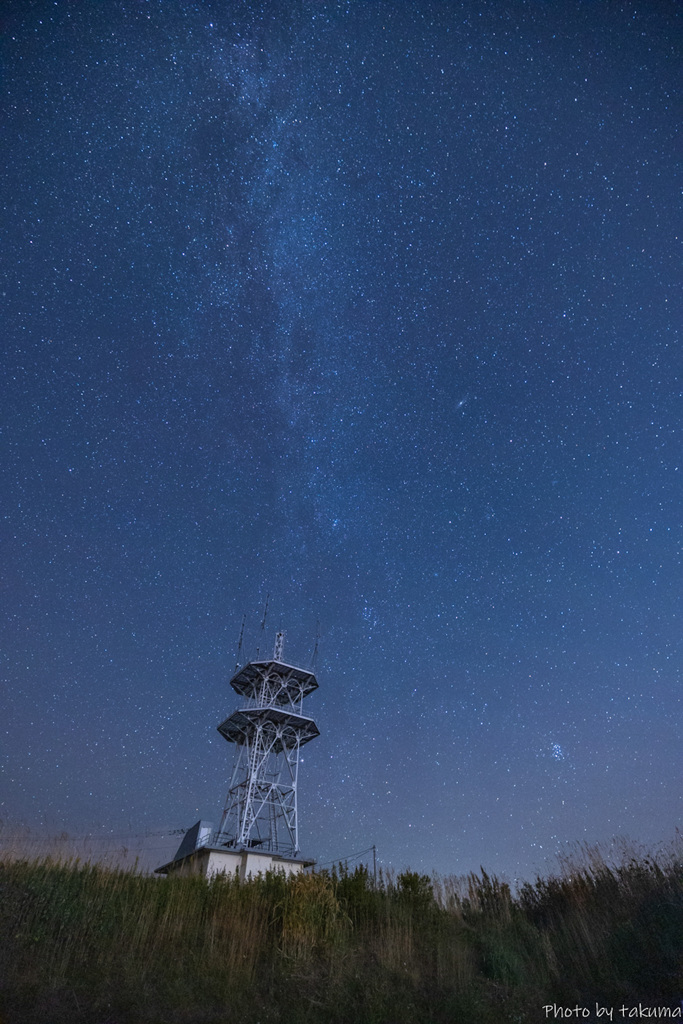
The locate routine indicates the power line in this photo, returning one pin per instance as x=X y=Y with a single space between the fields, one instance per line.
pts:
x=341 y=860
x=68 y=837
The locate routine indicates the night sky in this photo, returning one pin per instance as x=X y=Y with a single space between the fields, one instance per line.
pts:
x=370 y=307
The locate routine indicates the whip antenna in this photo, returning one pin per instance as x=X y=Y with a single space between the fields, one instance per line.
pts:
x=239 y=645
x=263 y=623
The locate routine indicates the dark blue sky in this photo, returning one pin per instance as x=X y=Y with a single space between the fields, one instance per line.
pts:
x=371 y=307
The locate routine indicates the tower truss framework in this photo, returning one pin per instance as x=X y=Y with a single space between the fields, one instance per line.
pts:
x=269 y=729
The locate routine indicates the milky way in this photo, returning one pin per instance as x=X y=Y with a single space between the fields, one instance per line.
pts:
x=369 y=307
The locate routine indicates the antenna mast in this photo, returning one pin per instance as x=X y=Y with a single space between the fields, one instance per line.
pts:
x=314 y=659
x=239 y=645
x=263 y=624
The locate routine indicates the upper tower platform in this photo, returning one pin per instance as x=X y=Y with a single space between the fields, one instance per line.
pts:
x=274 y=682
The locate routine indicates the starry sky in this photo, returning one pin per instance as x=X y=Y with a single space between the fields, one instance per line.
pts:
x=370 y=307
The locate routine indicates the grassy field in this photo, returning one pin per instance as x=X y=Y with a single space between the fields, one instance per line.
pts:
x=86 y=943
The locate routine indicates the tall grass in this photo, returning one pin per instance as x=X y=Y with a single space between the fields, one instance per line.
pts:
x=87 y=943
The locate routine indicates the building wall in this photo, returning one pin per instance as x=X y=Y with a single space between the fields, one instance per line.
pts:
x=248 y=864
x=219 y=863
x=195 y=864
x=261 y=862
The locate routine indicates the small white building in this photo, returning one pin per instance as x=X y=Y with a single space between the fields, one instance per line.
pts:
x=196 y=856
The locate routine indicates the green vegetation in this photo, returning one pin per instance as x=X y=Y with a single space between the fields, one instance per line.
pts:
x=85 y=943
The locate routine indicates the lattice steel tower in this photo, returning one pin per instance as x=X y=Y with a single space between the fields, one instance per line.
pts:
x=269 y=730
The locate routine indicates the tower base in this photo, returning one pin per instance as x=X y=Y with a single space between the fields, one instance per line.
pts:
x=196 y=857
